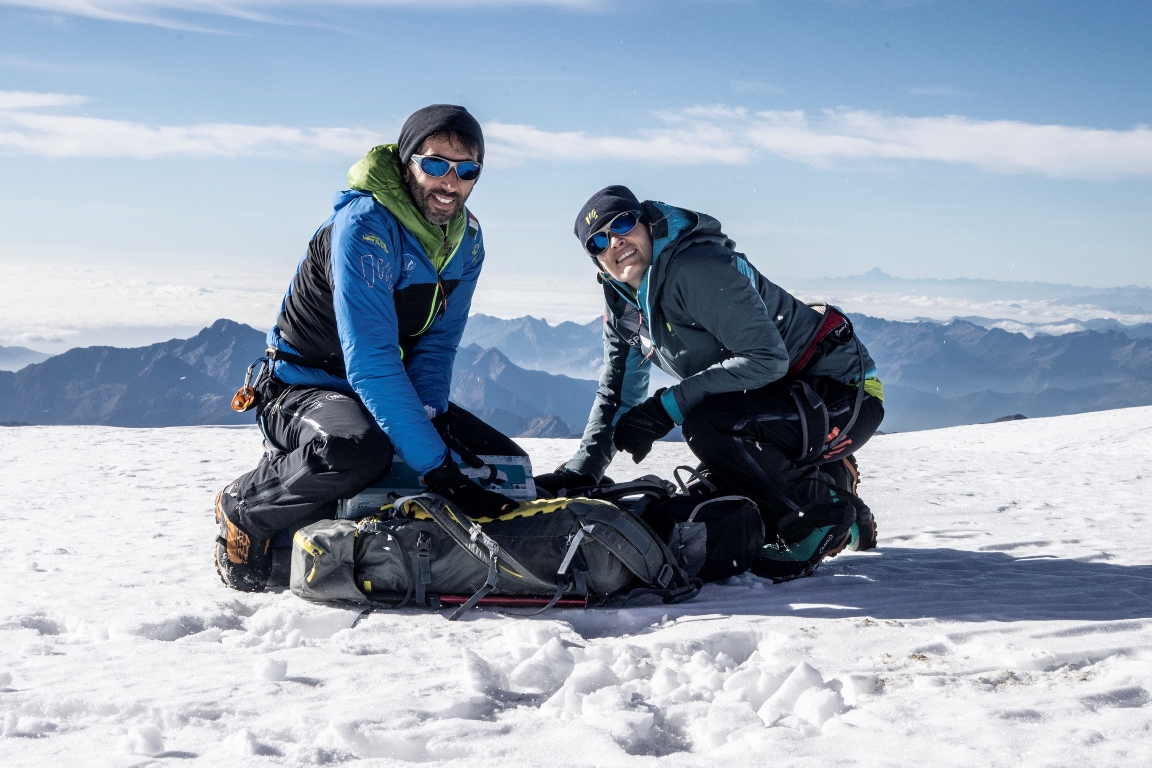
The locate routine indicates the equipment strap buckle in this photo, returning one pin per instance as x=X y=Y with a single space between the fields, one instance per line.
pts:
x=664 y=577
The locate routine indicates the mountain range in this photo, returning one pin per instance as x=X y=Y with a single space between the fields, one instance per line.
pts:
x=572 y=349
x=514 y=374
x=517 y=401
x=938 y=375
x=191 y=381
x=177 y=382
x=934 y=374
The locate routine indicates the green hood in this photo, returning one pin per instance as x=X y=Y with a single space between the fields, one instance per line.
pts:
x=379 y=173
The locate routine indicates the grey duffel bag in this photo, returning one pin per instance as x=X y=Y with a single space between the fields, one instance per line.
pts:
x=421 y=547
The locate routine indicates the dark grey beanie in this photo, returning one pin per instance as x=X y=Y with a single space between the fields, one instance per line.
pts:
x=437 y=119
x=601 y=207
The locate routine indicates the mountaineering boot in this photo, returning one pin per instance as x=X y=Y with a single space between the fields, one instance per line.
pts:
x=820 y=533
x=243 y=562
x=864 y=529
x=845 y=476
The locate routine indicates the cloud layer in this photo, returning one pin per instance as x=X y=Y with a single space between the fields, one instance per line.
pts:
x=737 y=136
x=27 y=129
x=38 y=124
x=171 y=13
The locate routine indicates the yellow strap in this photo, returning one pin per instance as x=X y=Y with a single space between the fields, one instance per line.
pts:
x=526 y=509
x=306 y=545
x=311 y=549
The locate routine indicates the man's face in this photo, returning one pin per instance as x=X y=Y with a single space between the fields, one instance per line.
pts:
x=439 y=198
x=628 y=256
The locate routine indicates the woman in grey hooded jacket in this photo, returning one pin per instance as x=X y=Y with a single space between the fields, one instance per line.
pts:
x=768 y=388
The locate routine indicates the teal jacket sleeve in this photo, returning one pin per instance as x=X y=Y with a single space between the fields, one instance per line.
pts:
x=624 y=381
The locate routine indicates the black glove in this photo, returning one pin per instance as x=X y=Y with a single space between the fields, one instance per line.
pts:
x=642 y=426
x=443 y=424
x=561 y=481
x=474 y=501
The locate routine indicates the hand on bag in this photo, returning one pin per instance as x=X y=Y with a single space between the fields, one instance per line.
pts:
x=642 y=426
x=474 y=501
x=554 y=484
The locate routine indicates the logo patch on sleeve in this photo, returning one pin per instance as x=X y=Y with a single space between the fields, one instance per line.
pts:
x=375 y=240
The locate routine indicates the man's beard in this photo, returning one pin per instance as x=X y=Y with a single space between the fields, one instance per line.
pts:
x=421 y=195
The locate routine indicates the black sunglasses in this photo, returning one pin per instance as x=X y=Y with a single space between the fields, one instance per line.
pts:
x=620 y=224
x=466 y=170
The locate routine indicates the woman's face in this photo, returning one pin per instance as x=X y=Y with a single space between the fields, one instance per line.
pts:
x=628 y=256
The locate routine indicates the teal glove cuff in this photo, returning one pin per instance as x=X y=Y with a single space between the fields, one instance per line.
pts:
x=668 y=400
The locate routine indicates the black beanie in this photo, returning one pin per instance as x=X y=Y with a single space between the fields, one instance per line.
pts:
x=601 y=207
x=438 y=118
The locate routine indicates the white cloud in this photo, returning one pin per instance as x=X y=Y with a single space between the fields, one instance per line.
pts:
x=52 y=307
x=1005 y=146
x=717 y=134
x=167 y=12
x=27 y=130
x=24 y=100
x=690 y=141
x=737 y=136
x=1027 y=316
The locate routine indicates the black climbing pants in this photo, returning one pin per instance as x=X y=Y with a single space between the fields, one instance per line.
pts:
x=321 y=446
x=753 y=442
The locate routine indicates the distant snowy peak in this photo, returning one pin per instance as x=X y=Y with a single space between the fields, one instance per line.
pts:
x=1041 y=307
x=15 y=358
x=975 y=288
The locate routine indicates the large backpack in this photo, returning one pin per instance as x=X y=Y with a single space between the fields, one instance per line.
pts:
x=713 y=534
x=421 y=549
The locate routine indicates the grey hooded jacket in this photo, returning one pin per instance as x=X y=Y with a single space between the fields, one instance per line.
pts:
x=708 y=318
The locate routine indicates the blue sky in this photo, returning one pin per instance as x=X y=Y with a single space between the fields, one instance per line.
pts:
x=986 y=139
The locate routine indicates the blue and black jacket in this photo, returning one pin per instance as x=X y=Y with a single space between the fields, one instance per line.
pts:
x=374 y=317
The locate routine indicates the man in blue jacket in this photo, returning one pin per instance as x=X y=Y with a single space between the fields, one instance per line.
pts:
x=362 y=350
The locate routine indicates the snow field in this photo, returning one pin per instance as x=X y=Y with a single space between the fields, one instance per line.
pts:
x=1004 y=620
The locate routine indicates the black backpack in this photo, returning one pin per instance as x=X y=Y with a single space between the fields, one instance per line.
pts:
x=712 y=534
x=423 y=550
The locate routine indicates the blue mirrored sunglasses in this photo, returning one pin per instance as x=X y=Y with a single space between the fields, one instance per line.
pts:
x=466 y=170
x=621 y=224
